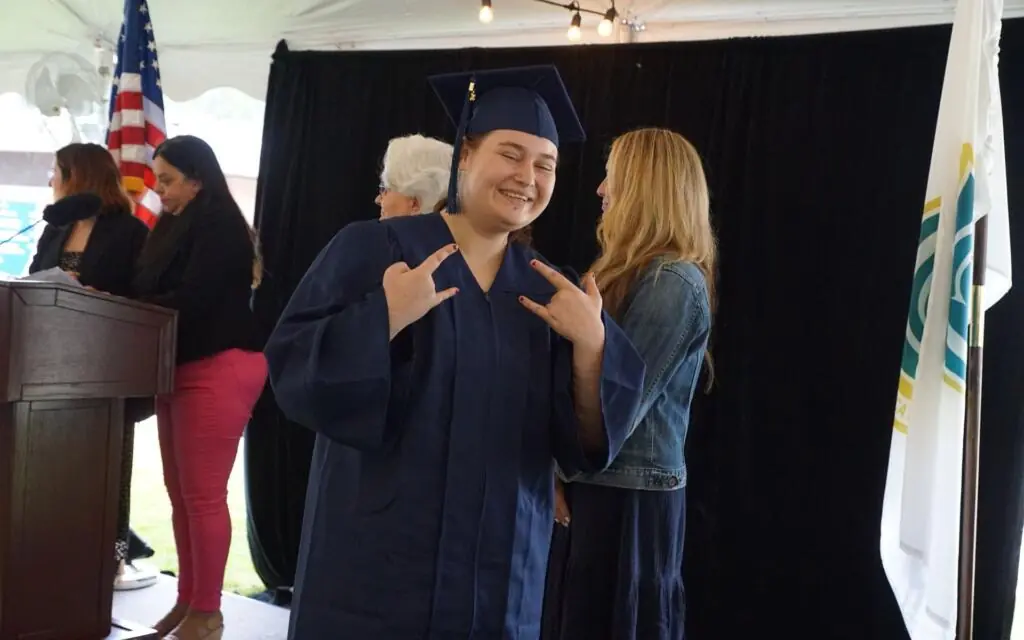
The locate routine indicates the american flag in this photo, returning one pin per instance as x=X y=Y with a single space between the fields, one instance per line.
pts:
x=137 y=109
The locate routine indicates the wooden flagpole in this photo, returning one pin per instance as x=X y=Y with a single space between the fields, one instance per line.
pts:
x=972 y=434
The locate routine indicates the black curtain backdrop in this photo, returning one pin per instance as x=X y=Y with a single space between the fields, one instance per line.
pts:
x=817 y=152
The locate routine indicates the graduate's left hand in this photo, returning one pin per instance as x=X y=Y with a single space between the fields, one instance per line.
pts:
x=573 y=312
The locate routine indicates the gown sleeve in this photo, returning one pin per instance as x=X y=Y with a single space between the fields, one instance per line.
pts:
x=622 y=380
x=329 y=356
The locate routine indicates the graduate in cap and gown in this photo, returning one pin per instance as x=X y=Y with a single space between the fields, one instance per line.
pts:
x=445 y=370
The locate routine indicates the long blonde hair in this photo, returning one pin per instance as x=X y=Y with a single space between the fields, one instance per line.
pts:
x=659 y=209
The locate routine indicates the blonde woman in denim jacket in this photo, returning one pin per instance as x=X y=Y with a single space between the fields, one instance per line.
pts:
x=622 y=575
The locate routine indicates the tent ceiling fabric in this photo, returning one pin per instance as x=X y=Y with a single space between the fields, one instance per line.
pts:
x=205 y=44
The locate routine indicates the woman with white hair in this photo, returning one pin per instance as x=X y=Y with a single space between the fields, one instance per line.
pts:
x=415 y=176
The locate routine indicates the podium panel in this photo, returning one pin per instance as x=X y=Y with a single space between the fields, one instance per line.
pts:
x=68 y=360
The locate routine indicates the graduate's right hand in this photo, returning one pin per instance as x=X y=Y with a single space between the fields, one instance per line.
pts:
x=411 y=293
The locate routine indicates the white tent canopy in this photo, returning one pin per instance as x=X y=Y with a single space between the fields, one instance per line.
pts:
x=214 y=43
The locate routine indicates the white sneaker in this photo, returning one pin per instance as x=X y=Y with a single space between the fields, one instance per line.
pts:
x=136 y=577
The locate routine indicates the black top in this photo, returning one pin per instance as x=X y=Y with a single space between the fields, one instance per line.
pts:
x=199 y=263
x=108 y=262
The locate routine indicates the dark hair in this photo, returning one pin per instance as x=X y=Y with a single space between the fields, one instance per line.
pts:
x=195 y=159
x=89 y=168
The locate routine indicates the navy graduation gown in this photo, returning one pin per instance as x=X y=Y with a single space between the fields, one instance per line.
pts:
x=430 y=501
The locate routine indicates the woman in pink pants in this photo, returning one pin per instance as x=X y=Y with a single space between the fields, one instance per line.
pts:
x=201 y=260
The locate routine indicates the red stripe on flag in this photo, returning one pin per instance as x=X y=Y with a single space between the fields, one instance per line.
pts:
x=133 y=169
x=154 y=136
x=133 y=135
x=129 y=101
x=144 y=214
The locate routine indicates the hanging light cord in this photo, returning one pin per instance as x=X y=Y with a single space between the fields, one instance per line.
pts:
x=575 y=6
x=606 y=28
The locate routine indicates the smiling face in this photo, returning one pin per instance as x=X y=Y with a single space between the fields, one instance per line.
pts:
x=507 y=179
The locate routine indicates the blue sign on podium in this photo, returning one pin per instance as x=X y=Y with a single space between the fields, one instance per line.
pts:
x=16 y=253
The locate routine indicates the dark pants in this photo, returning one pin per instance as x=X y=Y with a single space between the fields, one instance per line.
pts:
x=130 y=547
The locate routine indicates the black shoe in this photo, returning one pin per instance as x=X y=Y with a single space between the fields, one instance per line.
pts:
x=138 y=549
x=281 y=597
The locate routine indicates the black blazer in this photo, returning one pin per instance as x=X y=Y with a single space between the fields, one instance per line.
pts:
x=108 y=262
x=200 y=263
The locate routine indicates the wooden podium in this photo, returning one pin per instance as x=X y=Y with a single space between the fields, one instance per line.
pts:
x=68 y=359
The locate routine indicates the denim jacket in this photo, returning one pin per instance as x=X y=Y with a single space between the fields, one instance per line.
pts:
x=668 y=319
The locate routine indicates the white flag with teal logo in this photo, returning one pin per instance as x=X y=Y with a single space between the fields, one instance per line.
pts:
x=920 y=538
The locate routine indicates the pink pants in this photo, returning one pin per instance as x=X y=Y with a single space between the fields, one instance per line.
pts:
x=200 y=426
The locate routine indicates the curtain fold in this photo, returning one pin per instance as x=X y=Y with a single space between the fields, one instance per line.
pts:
x=817 y=151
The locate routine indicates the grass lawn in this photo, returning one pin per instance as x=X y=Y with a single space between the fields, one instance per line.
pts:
x=151 y=513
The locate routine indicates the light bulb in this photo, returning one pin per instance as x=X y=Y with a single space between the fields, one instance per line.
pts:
x=486 y=14
x=574 y=29
x=608 y=23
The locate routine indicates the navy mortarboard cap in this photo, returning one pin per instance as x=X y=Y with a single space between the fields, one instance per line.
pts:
x=532 y=100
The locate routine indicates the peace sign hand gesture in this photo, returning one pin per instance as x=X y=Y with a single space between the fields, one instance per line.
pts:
x=575 y=314
x=411 y=293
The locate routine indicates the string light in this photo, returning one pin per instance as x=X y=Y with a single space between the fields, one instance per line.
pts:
x=604 y=29
x=607 y=25
x=574 y=27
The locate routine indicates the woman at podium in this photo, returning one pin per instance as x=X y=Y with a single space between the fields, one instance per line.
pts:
x=201 y=260
x=91 y=233
x=90 y=230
